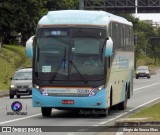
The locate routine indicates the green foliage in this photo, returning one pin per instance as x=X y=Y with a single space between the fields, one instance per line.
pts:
x=146 y=28
x=130 y=18
x=152 y=113
x=22 y=16
x=11 y=58
x=144 y=32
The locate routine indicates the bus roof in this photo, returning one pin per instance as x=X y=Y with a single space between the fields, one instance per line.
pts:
x=80 y=17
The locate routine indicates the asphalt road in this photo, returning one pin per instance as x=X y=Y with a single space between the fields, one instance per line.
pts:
x=146 y=92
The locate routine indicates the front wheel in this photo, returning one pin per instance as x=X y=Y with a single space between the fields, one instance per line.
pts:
x=11 y=96
x=46 y=111
x=104 y=112
x=18 y=96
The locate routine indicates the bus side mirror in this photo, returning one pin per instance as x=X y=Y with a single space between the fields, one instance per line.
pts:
x=29 y=47
x=109 y=47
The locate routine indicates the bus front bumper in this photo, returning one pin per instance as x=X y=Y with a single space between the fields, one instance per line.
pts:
x=99 y=101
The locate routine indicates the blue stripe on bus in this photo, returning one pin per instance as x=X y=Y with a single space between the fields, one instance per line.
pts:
x=39 y=100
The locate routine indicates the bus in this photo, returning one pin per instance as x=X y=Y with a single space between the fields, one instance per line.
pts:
x=82 y=60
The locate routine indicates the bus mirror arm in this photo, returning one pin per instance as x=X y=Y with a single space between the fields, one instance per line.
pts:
x=29 y=46
x=103 y=46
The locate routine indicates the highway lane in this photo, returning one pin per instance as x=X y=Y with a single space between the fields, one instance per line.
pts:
x=145 y=92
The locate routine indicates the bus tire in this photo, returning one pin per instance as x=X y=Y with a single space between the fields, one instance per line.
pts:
x=18 y=96
x=123 y=105
x=46 y=111
x=11 y=96
x=104 y=112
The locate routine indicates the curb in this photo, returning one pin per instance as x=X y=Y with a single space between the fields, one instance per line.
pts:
x=4 y=93
x=122 y=122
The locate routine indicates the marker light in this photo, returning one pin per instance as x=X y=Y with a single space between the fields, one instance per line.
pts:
x=36 y=86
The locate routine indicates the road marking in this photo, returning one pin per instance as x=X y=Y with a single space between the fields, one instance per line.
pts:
x=122 y=133
x=2 y=106
x=144 y=104
x=113 y=118
x=4 y=97
x=9 y=121
x=71 y=133
x=119 y=133
x=128 y=111
x=146 y=86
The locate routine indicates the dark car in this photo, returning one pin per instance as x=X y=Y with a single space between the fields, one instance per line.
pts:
x=21 y=83
x=142 y=71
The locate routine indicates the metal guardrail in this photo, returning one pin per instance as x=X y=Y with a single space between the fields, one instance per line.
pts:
x=121 y=6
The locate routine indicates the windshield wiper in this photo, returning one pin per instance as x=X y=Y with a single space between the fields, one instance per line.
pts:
x=56 y=72
x=59 y=67
x=83 y=79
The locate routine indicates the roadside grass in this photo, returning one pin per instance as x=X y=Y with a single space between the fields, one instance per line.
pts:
x=143 y=60
x=151 y=113
x=12 y=57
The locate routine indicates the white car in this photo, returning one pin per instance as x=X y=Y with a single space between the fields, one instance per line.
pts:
x=21 y=83
x=142 y=71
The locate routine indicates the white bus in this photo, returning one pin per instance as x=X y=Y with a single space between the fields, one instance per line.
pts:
x=82 y=60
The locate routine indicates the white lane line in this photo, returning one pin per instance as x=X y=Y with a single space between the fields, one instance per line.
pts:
x=71 y=133
x=146 y=86
x=144 y=104
x=99 y=123
x=122 y=133
x=2 y=106
x=113 y=118
x=9 y=121
x=119 y=133
x=4 y=97
x=128 y=111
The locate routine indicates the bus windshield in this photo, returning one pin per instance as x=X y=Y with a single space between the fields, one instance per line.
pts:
x=70 y=54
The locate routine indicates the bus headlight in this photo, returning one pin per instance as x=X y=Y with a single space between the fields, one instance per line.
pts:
x=36 y=86
x=94 y=91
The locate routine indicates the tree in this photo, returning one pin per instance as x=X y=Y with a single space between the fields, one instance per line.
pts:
x=61 y=4
x=20 y=16
x=7 y=20
x=27 y=16
x=144 y=32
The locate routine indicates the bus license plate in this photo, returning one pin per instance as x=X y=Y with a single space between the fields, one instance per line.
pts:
x=67 y=101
